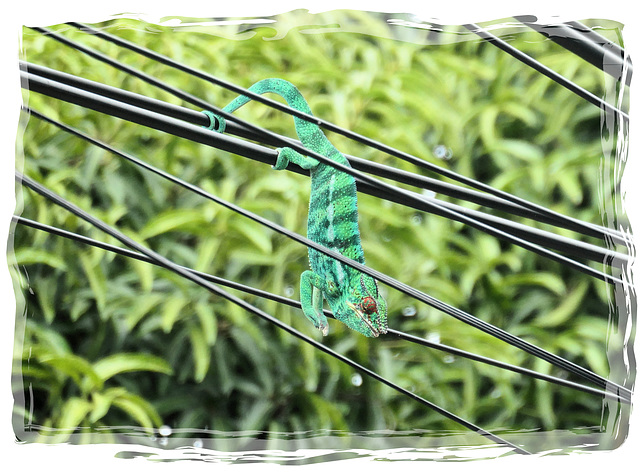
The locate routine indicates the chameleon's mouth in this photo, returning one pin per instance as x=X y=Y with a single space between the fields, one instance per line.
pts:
x=367 y=321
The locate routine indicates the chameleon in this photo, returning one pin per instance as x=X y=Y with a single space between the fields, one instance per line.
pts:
x=332 y=222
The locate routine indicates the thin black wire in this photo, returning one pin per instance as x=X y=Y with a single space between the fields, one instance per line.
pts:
x=537 y=236
x=567 y=245
x=577 y=246
x=597 y=38
x=584 y=45
x=544 y=70
x=279 y=139
x=296 y=304
x=183 y=272
x=199 y=118
x=147 y=118
x=318 y=121
x=431 y=301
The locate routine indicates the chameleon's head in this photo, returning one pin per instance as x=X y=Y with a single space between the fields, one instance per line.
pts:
x=364 y=309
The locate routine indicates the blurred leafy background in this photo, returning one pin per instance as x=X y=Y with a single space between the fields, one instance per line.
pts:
x=105 y=342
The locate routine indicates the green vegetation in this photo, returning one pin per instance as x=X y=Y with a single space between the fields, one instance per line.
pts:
x=103 y=341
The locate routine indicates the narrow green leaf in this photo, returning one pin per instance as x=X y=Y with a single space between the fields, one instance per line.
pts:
x=207 y=252
x=73 y=412
x=519 y=149
x=256 y=415
x=141 y=307
x=567 y=308
x=96 y=278
x=253 y=234
x=592 y=327
x=309 y=363
x=571 y=186
x=171 y=312
x=596 y=357
x=79 y=308
x=544 y=399
x=208 y=322
x=145 y=273
x=487 y=120
x=32 y=255
x=115 y=364
x=224 y=375
x=520 y=111
x=548 y=280
x=133 y=407
x=100 y=407
x=201 y=353
x=45 y=291
x=172 y=220
x=327 y=413
x=51 y=340
x=80 y=370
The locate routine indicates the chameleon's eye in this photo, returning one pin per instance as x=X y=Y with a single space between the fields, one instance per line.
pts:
x=369 y=305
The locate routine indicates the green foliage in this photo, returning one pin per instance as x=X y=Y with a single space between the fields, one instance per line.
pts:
x=79 y=392
x=110 y=341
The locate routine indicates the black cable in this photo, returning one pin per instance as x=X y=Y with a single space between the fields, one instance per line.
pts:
x=407 y=290
x=201 y=135
x=296 y=304
x=567 y=245
x=166 y=263
x=199 y=118
x=582 y=44
x=284 y=108
x=539 y=236
x=544 y=70
x=109 y=148
x=146 y=118
x=597 y=38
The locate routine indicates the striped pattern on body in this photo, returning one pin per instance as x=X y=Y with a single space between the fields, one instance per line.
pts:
x=332 y=223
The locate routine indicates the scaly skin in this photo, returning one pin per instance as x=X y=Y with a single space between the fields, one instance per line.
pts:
x=333 y=222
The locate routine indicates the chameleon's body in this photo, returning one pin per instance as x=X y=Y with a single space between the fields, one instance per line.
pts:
x=332 y=223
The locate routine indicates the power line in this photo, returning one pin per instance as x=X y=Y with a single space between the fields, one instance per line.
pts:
x=197 y=117
x=284 y=108
x=222 y=141
x=183 y=272
x=585 y=43
x=597 y=38
x=548 y=239
x=296 y=304
x=434 y=206
x=407 y=290
x=544 y=70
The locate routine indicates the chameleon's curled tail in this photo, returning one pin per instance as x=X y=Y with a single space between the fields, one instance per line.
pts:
x=281 y=87
x=332 y=223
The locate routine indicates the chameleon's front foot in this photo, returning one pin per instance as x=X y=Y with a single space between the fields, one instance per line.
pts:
x=282 y=160
x=318 y=319
x=318 y=323
x=325 y=330
x=286 y=155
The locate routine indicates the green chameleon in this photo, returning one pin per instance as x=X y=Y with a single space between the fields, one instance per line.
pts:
x=333 y=223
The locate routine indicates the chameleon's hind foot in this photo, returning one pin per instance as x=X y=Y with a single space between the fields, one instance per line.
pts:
x=216 y=122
